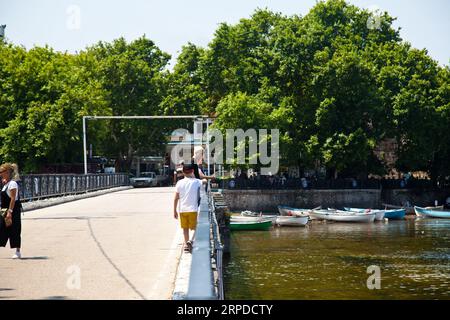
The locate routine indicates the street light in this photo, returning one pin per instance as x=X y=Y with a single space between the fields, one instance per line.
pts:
x=2 y=30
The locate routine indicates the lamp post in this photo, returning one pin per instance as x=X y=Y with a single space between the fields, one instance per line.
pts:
x=2 y=30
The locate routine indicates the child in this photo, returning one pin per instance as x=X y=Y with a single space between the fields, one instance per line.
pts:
x=188 y=195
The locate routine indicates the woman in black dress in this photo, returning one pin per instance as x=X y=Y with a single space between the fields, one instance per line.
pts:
x=10 y=201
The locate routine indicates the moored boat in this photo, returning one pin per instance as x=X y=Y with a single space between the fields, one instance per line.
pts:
x=431 y=213
x=395 y=214
x=250 y=225
x=290 y=211
x=292 y=221
x=379 y=214
x=237 y=218
x=249 y=213
x=343 y=216
x=439 y=208
x=408 y=209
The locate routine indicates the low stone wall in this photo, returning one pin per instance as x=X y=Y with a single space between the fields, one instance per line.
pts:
x=418 y=197
x=268 y=200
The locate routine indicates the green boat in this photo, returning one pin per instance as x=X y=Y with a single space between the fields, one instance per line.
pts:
x=250 y=225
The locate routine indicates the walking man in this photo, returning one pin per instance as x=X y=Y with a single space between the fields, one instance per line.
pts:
x=186 y=201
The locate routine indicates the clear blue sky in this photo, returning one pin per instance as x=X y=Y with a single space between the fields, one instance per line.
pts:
x=173 y=23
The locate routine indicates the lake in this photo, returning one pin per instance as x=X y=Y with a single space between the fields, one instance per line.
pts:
x=326 y=260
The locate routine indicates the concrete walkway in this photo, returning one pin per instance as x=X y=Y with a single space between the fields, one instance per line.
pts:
x=123 y=245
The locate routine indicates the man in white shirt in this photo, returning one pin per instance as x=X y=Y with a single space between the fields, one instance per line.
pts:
x=187 y=196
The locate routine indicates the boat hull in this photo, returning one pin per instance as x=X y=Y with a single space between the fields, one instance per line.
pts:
x=295 y=221
x=250 y=225
x=343 y=216
x=239 y=218
x=289 y=211
x=395 y=214
x=409 y=210
x=428 y=213
x=379 y=214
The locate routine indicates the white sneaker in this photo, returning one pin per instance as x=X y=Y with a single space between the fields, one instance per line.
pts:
x=17 y=255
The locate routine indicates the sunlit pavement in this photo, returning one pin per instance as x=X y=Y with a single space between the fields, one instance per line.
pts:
x=123 y=245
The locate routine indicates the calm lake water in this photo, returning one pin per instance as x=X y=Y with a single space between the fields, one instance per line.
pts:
x=330 y=261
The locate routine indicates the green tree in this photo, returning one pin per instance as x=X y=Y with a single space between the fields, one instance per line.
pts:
x=132 y=78
x=40 y=101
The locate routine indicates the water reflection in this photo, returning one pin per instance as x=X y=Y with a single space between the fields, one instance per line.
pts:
x=330 y=260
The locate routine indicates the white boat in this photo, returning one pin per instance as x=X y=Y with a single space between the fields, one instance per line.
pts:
x=237 y=218
x=293 y=221
x=343 y=216
x=379 y=214
x=249 y=213
x=290 y=211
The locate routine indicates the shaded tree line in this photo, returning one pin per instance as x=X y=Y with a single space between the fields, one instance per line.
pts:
x=334 y=84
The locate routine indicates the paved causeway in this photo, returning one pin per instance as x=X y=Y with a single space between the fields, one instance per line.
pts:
x=122 y=245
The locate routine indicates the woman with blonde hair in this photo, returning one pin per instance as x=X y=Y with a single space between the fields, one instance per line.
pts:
x=197 y=161
x=10 y=201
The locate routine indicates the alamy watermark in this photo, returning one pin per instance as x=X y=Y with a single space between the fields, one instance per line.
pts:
x=74 y=280
x=254 y=147
x=73 y=21
x=374 y=280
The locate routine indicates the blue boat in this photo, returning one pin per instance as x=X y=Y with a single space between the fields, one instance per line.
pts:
x=395 y=214
x=422 y=212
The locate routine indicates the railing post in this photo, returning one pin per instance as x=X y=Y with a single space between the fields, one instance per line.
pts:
x=84 y=146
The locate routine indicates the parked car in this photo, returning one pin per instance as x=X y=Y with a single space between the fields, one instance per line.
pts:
x=146 y=179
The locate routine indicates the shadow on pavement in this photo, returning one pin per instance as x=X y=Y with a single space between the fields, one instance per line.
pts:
x=55 y=298
x=69 y=218
x=35 y=258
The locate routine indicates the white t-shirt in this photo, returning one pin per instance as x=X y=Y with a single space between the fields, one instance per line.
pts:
x=9 y=186
x=189 y=191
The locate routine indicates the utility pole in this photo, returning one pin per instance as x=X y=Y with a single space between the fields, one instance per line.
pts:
x=2 y=31
x=85 y=118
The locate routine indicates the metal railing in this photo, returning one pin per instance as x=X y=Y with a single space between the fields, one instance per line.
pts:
x=38 y=186
x=207 y=251
x=279 y=183
x=218 y=250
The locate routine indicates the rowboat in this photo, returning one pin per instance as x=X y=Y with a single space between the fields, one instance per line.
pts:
x=431 y=213
x=408 y=209
x=343 y=216
x=395 y=214
x=238 y=218
x=379 y=214
x=292 y=221
x=439 y=208
x=250 y=225
x=289 y=211
x=249 y=213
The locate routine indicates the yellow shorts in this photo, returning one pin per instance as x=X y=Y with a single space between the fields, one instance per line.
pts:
x=188 y=220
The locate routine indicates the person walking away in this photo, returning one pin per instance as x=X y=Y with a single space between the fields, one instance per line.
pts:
x=187 y=196
x=11 y=202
